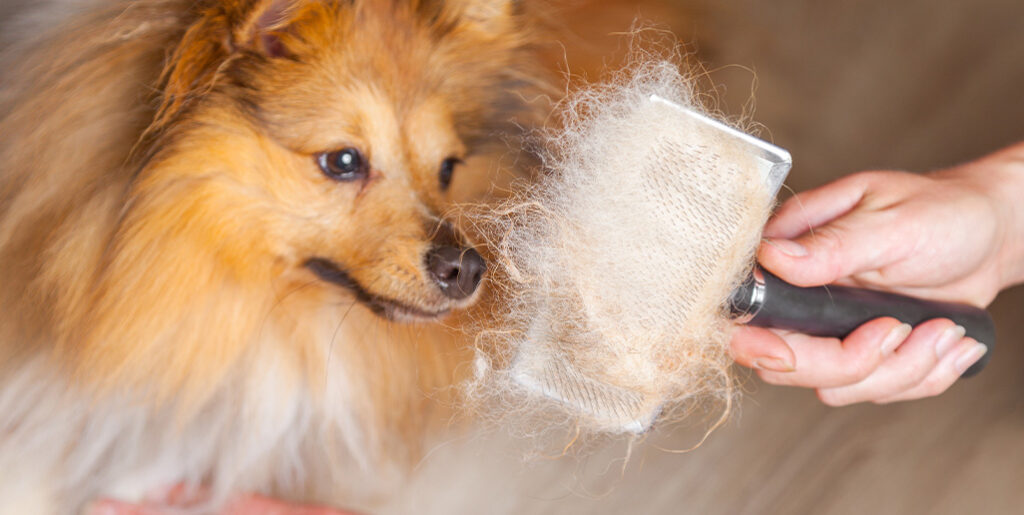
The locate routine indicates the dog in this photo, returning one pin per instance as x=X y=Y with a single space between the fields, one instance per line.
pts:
x=226 y=242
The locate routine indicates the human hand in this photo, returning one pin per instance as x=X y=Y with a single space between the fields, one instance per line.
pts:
x=953 y=235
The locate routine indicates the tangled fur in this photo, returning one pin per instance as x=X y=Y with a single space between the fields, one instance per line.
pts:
x=618 y=263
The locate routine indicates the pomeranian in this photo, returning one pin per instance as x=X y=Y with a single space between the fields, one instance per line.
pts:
x=223 y=239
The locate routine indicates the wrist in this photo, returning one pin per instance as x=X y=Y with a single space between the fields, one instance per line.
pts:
x=1001 y=177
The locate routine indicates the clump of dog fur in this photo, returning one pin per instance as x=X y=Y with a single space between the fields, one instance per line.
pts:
x=617 y=269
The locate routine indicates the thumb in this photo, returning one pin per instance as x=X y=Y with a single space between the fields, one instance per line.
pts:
x=761 y=349
x=854 y=243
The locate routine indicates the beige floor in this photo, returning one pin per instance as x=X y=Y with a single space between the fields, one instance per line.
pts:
x=783 y=453
x=845 y=86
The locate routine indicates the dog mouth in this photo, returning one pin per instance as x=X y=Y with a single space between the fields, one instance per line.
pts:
x=390 y=309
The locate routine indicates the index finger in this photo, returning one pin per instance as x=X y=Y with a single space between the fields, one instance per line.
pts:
x=813 y=208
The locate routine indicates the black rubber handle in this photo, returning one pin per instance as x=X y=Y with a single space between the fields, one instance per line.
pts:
x=835 y=311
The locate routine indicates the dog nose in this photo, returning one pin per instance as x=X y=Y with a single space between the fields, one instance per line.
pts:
x=457 y=271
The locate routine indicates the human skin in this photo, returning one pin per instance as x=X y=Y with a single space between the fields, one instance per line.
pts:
x=952 y=235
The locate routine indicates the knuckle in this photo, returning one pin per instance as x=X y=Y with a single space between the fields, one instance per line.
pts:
x=918 y=372
x=933 y=387
x=876 y=176
x=829 y=238
x=856 y=370
x=859 y=179
x=905 y=384
x=871 y=177
x=829 y=243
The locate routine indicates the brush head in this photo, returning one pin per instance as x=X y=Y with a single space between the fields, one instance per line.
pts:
x=621 y=261
x=772 y=162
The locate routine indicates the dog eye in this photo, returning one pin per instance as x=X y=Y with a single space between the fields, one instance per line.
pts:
x=447 y=168
x=346 y=164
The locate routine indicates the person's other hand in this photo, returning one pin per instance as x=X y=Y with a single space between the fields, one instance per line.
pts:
x=952 y=235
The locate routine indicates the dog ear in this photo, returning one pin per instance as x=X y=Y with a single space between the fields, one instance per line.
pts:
x=260 y=25
x=221 y=31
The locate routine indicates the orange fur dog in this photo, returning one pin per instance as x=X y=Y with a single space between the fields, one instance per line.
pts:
x=217 y=219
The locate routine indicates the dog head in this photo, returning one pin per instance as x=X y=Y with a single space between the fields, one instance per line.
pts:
x=323 y=139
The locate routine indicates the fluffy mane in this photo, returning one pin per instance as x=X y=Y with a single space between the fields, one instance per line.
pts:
x=140 y=345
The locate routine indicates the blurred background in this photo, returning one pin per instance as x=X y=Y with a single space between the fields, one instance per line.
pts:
x=845 y=86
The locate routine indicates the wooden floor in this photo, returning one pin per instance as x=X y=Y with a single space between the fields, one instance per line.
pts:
x=783 y=453
x=845 y=86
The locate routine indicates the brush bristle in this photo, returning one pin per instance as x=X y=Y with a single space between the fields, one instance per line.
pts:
x=605 y=406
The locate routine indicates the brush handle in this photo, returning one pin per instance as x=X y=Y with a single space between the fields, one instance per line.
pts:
x=764 y=300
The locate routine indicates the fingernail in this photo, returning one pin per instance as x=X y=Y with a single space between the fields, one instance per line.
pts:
x=773 y=364
x=788 y=247
x=895 y=338
x=970 y=357
x=947 y=339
